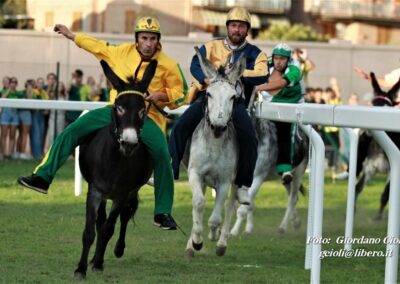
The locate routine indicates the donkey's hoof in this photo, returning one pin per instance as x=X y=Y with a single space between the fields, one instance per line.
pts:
x=281 y=231
x=119 y=249
x=220 y=251
x=378 y=218
x=189 y=253
x=79 y=275
x=233 y=234
x=297 y=224
x=197 y=246
x=97 y=268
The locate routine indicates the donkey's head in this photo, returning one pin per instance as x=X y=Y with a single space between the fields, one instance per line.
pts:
x=382 y=98
x=222 y=92
x=129 y=109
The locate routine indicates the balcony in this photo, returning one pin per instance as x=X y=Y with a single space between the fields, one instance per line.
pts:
x=260 y=6
x=356 y=10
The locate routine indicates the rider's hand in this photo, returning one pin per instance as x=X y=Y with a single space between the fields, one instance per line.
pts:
x=361 y=72
x=62 y=29
x=157 y=97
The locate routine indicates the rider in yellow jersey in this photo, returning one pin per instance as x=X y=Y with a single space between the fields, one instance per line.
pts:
x=167 y=88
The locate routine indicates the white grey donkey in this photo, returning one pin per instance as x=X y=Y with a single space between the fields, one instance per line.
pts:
x=214 y=155
x=265 y=169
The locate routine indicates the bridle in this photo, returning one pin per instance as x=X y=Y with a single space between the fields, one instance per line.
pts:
x=114 y=126
x=386 y=99
x=206 y=111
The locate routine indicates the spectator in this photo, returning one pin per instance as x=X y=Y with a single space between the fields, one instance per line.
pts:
x=25 y=122
x=57 y=117
x=351 y=101
x=93 y=93
x=75 y=94
x=6 y=83
x=105 y=87
x=50 y=88
x=37 y=130
x=318 y=96
x=9 y=120
x=309 y=96
x=331 y=133
x=306 y=65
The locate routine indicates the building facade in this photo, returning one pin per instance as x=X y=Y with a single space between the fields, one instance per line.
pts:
x=358 y=21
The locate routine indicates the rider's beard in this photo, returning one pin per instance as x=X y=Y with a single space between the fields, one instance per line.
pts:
x=236 y=38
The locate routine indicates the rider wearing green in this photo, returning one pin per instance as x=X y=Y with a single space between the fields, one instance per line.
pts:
x=284 y=86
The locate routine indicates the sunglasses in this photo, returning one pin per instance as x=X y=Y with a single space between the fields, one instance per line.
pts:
x=14 y=82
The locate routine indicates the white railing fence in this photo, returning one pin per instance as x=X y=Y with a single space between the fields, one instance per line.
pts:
x=376 y=119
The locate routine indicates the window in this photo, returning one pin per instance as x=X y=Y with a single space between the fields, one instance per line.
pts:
x=76 y=21
x=130 y=17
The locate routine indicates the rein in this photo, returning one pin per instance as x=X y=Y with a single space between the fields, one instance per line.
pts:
x=383 y=98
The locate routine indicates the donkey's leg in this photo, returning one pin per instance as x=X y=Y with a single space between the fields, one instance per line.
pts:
x=294 y=218
x=101 y=218
x=197 y=185
x=289 y=209
x=384 y=201
x=362 y=181
x=106 y=233
x=230 y=209
x=93 y=201
x=247 y=210
x=126 y=215
x=292 y=189
x=215 y=220
x=295 y=187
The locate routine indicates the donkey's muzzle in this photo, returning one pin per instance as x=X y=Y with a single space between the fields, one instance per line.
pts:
x=128 y=148
x=218 y=130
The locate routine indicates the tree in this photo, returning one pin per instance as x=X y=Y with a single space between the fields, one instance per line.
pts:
x=286 y=32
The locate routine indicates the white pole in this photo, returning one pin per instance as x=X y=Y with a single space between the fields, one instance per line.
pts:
x=351 y=188
x=78 y=174
x=319 y=146
x=311 y=202
x=392 y=247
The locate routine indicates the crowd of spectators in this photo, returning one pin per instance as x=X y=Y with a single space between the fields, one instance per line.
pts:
x=27 y=134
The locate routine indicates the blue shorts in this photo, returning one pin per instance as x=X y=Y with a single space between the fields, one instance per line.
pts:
x=25 y=117
x=9 y=116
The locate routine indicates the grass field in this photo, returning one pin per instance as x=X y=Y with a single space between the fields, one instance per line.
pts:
x=41 y=238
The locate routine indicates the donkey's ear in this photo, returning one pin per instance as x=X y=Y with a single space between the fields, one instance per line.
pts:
x=237 y=69
x=148 y=75
x=208 y=68
x=116 y=82
x=392 y=93
x=375 y=86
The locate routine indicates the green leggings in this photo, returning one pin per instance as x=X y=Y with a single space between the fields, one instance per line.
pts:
x=151 y=136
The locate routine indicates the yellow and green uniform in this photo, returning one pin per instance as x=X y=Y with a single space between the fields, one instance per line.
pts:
x=124 y=59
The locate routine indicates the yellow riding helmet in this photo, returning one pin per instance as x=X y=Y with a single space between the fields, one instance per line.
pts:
x=239 y=14
x=148 y=24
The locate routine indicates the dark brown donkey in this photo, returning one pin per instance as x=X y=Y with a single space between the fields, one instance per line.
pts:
x=116 y=165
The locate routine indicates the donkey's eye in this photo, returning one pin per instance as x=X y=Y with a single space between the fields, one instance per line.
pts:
x=120 y=110
x=233 y=97
x=208 y=95
x=142 y=113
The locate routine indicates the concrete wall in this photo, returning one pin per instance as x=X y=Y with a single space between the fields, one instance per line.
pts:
x=29 y=54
